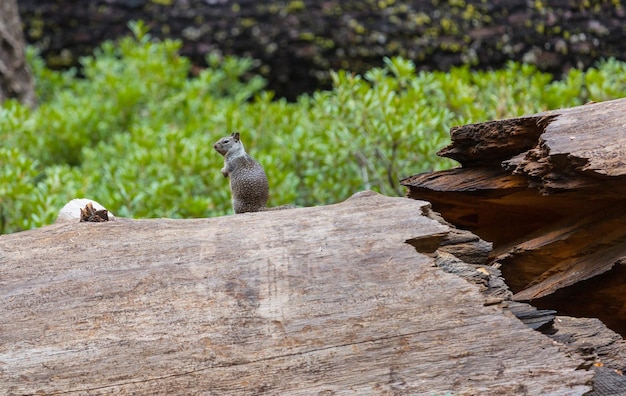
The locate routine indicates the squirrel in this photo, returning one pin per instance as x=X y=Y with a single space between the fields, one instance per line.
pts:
x=248 y=183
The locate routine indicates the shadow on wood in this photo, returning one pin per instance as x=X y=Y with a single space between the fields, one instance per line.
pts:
x=305 y=301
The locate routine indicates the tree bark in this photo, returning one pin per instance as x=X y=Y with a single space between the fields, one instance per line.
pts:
x=336 y=299
x=549 y=191
x=16 y=80
x=298 y=42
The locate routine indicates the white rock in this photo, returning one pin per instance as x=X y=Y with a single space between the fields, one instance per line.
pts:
x=70 y=213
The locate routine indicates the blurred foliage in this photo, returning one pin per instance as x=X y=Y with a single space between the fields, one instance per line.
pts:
x=135 y=132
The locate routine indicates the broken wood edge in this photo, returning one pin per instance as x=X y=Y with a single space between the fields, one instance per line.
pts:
x=601 y=349
x=605 y=354
x=483 y=143
x=452 y=257
x=473 y=144
x=536 y=148
x=466 y=180
x=568 y=170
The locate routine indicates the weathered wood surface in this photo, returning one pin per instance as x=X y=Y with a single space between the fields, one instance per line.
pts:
x=604 y=352
x=298 y=42
x=548 y=189
x=326 y=300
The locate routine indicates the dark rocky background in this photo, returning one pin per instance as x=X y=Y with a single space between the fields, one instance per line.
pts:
x=296 y=42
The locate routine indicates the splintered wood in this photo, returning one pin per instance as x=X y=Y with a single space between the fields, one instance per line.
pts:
x=548 y=189
x=325 y=300
x=89 y=213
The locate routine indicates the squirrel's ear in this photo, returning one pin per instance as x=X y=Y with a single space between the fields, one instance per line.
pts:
x=235 y=135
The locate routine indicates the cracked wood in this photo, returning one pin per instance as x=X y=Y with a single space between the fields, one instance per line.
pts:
x=549 y=191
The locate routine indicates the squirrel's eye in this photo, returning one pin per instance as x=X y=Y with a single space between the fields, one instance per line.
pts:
x=226 y=141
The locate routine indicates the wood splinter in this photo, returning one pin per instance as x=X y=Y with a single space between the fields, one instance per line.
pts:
x=89 y=213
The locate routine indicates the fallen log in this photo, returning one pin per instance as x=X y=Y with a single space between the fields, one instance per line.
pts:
x=548 y=190
x=325 y=300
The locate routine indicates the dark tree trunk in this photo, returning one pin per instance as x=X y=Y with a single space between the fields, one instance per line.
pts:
x=15 y=78
x=297 y=42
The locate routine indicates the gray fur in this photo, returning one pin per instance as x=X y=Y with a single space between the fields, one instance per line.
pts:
x=248 y=183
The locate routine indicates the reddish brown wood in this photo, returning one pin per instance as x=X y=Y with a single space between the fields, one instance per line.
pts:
x=548 y=189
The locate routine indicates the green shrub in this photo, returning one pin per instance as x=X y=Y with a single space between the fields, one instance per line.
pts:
x=135 y=132
x=17 y=175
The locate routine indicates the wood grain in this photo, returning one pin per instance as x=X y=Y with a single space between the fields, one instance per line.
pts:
x=325 y=300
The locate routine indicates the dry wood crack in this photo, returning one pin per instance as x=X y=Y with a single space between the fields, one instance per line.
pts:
x=531 y=198
x=549 y=190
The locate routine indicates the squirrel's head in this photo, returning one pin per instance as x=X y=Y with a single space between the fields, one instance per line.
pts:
x=226 y=143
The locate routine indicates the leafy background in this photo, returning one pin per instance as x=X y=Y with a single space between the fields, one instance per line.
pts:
x=132 y=130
